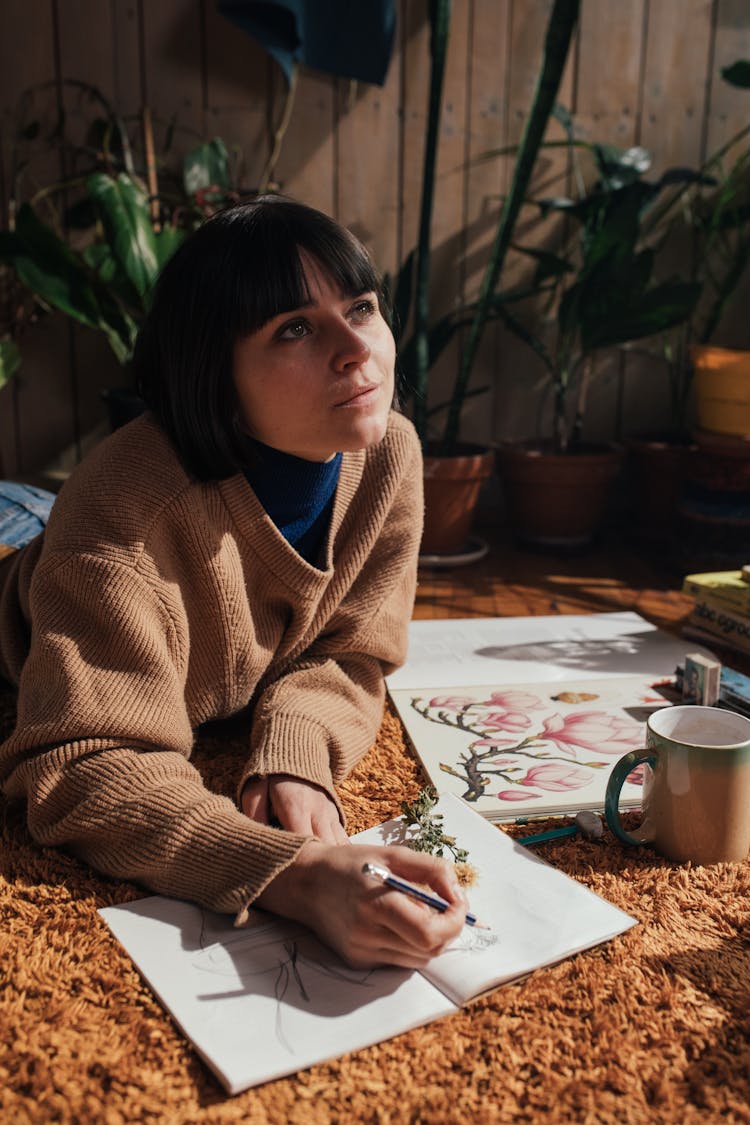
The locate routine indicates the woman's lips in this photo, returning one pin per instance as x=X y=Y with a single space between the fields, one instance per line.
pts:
x=360 y=397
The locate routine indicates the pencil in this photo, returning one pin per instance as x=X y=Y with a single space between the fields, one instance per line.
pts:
x=384 y=876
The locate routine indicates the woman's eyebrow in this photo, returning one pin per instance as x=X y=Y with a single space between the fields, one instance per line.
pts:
x=311 y=303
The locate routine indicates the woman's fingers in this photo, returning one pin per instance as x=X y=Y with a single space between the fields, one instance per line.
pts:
x=254 y=800
x=417 y=867
x=306 y=809
x=414 y=925
x=366 y=923
x=327 y=826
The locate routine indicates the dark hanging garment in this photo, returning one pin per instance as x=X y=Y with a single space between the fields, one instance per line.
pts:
x=336 y=36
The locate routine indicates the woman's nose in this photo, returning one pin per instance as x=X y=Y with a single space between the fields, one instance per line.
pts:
x=351 y=348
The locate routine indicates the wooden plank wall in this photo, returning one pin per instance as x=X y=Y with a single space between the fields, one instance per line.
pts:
x=642 y=72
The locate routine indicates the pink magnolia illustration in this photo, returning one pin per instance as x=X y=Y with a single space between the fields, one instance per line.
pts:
x=514 y=700
x=556 y=777
x=452 y=702
x=560 y=755
x=514 y=721
x=596 y=731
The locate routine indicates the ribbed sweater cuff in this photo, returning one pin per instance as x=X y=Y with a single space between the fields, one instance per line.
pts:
x=295 y=745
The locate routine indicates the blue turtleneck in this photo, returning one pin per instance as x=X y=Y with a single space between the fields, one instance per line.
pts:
x=296 y=494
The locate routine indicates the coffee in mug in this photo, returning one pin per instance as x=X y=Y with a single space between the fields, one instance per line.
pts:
x=696 y=793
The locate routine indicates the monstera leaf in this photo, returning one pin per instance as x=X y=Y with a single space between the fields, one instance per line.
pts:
x=123 y=207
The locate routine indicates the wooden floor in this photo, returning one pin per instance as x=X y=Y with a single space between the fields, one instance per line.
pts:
x=512 y=582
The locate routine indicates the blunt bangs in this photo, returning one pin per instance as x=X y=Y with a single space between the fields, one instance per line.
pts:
x=239 y=270
x=269 y=241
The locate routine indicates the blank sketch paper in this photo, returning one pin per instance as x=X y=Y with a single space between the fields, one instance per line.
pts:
x=463 y=652
x=267 y=1000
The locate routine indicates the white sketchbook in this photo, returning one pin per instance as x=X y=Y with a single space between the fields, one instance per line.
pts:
x=526 y=716
x=267 y=1000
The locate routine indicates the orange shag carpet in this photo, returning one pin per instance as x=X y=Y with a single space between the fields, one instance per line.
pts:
x=651 y=1027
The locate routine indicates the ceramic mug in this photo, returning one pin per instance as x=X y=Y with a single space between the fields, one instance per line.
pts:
x=696 y=795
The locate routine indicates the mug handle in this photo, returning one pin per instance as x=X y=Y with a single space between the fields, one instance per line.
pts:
x=616 y=781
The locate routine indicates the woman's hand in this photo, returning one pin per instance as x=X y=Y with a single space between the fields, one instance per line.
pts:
x=366 y=923
x=298 y=806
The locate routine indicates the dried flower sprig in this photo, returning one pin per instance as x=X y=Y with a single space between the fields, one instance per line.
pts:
x=430 y=836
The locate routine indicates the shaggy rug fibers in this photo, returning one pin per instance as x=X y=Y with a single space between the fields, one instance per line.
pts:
x=651 y=1027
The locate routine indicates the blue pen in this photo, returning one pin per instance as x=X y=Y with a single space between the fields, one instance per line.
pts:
x=384 y=876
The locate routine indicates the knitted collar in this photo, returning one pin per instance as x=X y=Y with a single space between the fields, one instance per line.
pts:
x=296 y=494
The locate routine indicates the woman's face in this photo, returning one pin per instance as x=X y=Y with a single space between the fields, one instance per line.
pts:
x=318 y=380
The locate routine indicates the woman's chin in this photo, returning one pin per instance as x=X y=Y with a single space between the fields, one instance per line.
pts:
x=363 y=435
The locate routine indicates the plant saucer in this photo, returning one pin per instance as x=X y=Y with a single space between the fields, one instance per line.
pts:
x=474 y=550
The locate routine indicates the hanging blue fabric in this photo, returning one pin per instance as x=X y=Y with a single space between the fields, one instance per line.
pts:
x=335 y=36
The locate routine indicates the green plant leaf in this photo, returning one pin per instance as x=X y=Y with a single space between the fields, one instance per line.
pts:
x=10 y=360
x=168 y=240
x=206 y=166
x=685 y=176
x=123 y=206
x=401 y=301
x=618 y=167
x=563 y=115
x=562 y=21
x=60 y=279
x=737 y=74
x=548 y=264
x=118 y=326
x=47 y=267
x=102 y=261
x=658 y=309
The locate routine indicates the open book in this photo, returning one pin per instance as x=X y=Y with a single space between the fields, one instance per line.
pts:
x=270 y=999
x=526 y=716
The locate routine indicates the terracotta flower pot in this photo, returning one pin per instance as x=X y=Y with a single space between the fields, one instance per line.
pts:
x=657 y=467
x=722 y=389
x=557 y=500
x=451 y=492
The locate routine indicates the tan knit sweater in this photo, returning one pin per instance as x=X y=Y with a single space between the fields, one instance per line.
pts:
x=152 y=604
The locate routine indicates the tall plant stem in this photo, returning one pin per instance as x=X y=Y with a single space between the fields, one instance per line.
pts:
x=279 y=134
x=557 y=41
x=440 y=16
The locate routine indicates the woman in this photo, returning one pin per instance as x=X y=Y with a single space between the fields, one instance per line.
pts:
x=251 y=540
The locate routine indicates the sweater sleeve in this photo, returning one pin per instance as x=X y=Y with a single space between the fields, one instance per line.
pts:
x=321 y=711
x=102 y=740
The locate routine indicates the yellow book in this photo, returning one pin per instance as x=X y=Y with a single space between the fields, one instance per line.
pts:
x=727 y=626
x=723 y=587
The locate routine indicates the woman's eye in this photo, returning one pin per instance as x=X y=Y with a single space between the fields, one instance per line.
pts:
x=364 y=308
x=295 y=330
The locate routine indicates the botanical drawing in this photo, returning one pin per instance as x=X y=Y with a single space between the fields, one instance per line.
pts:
x=291 y=972
x=471 y=940
x=524 y=753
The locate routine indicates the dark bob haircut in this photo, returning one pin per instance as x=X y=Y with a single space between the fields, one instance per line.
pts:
x=234 y=274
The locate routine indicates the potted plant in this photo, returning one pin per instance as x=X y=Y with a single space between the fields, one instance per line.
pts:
x=601 y=288
x=96 y=260
x=719 y=221
x=708 y=382
x=454 y=470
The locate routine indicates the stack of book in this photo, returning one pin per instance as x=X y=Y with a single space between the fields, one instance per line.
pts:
x=721 y=614
x=733 y=687
x=735 y=691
